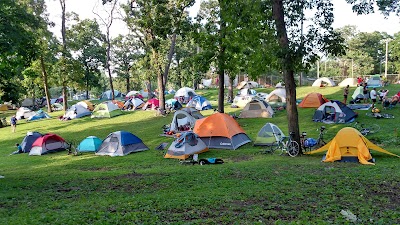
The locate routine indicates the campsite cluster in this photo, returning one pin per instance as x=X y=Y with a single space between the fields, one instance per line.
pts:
x=195 y=133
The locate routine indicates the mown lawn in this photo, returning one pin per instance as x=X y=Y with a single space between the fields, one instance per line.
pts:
x=145 y=188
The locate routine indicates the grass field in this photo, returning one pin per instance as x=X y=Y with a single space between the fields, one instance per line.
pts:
x=145 y=188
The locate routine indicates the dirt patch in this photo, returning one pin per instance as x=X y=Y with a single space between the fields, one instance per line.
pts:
x=242 y=158
x=68 y=189
x=129 y=175
x=96 y=169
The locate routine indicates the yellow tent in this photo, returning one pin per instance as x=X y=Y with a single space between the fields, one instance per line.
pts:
x=3 y=107
x=349 y=142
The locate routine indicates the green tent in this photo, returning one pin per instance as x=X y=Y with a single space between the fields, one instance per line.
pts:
x=106 y=110
x=268 y=135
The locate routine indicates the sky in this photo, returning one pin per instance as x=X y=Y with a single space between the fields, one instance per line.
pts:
x=342 y=11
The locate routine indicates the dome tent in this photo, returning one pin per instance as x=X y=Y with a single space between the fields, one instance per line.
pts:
x=184 y=95
x=187 y=144
x=221 y=131
x=121 y=143
x=313 y=100
x=334 y=112
x=257 y=108
x=268 y=135
x=89 y=144
x=48 y=143
x=320 y=81
x=199 y=103
x=106 y=110
x=349 y=145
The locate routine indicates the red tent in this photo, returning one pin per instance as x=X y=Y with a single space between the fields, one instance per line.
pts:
x=152 y=104
x=48 y=143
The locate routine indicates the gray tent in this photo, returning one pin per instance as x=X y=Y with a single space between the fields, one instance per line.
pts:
x=187 y=144
x=185 y=118
x=269 y=134
x=121 y=143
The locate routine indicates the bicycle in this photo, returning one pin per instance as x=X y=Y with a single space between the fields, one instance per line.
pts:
x=280 y=147
x=366 y=129
x=380 y=115
x=308 y=145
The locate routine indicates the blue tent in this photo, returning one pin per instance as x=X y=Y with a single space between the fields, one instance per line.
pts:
x=28 y=140
x=173 y=104
x=39 y=115
x=199 y=102
x=107 y=95
x=121 y=143
x=89 y=144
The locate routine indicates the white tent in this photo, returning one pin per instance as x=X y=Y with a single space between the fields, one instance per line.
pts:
x=184 y=95
x=132 y=93
x=247 y=84
x=322 y=80
x=77 y=111
x=277 y=95
x=352 y=82
x=206 y=83
x=24 y=113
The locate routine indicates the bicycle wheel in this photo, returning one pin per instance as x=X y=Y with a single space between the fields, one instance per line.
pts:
x=373 y=128
x=364 y=131
x=293 y=148
x=278 y=149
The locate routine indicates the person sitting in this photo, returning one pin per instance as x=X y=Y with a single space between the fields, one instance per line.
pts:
x=19 y=149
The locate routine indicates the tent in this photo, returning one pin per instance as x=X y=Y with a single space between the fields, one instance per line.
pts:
x=28 y=140
x=121 y=143
x=106 y=110
x=206 y=82
x=257 y=108
x=184 y=119
x=48 y=143
x=221 y=131
x=313 y=100
x=243 y=97
x=24 y=113
x=247 y=84
x=352 y=82
x=57 y=107
x=374 y=81
x=268 y=135
x=277 y=97
x=349 y=145
x=76 y=111
x=107 y=95
x=118 y=103
x=334 y=112
x=133 y=104
x=28 y=102
x=323 y=81
x=199 y=103
x=184 y=95
x=86 y=104
x=358 y=93
x=187 y=144
x=89 y=144
x=3 y=107
x=172 y=104
x=152 y=104
x=40 y=114
x=132 y=93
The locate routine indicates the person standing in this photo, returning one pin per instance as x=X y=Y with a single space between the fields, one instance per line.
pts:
x=373 y=96
x=365 y=93
x=345 y=94
x=13 y=122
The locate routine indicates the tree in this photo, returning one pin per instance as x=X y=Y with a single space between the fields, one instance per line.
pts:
x=300 y=49
x=154 y=23
x=17 y=44
x=107 y=23
x=126 y=51
x=86 y=40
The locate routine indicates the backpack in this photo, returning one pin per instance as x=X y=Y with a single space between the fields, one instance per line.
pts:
x=310 y=142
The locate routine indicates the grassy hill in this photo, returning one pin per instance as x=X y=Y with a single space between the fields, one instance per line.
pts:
x=145 y=188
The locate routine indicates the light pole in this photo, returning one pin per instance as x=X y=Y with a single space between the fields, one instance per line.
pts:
x=386 y=57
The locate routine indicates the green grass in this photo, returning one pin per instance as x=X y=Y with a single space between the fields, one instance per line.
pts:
x=145 y=188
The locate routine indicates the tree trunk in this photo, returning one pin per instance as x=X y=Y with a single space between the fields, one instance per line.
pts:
x=231 y=79
x=108 y=65
x=221 y=65
x=45 y=85
x=63 y=57
x=128 y=85
x=87 y=83
x=160 y=81
x=170 y=54
x=287 y=68
x=148 y=86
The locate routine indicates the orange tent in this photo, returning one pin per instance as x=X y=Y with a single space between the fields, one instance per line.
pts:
x=313 y=100
x=118 y=103
x=221 y=131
